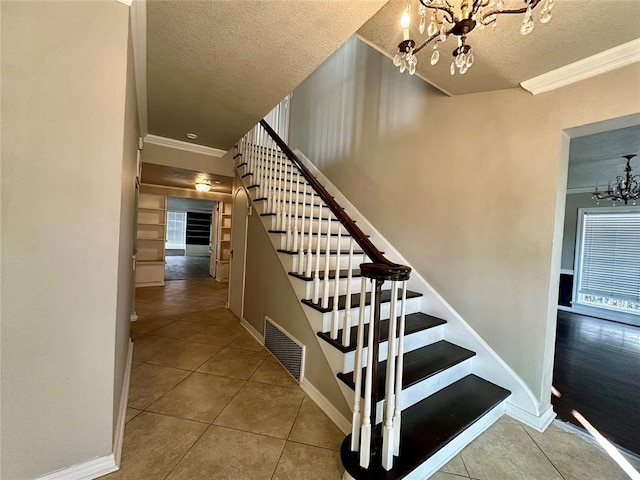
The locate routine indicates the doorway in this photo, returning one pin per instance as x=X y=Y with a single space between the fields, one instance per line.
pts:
x=188 y=242
x=240 y=215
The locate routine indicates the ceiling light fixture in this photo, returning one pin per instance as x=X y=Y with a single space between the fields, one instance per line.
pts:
x=627 y=187
x=459 y=18
x=192 y=136
x=203 y=186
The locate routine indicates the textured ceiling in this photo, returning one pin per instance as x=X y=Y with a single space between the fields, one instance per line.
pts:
x=216 y=67
x=504 y=58
x=596 y=159
x=153 y=174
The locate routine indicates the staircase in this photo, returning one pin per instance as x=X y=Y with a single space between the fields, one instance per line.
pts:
x=416 y=398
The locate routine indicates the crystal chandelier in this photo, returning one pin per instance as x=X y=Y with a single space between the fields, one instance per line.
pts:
x=459 y=18
x=627 y=187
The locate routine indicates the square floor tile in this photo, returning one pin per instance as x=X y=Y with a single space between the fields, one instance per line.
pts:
x=153 y=445
x=234 y=362
x=131 y=414
x=245 y=340
x=218 y=335
x=264 y=409
x=506 y=452
x=149 y=324
x=150 y=382
x=313 y=427
x=200 y=397
x=179 y=330
x=456 y=467
x=273 y=373
x=307 y=462
x=147 y=346
x=186 y=355
x=224 y=454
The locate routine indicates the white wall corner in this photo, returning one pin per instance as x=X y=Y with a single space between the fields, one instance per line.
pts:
x=139 y=41
x=125 y=2
x=537 y=422
x=326 y=406
x=603 y=62
x=185 y=146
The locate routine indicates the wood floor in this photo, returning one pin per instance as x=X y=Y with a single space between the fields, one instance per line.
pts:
x=183 y=267
x=597 y=372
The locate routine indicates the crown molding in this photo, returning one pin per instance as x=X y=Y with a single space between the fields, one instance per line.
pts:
x=571 y=191
x=186 y=146
x=139 y=42
x=603 y=62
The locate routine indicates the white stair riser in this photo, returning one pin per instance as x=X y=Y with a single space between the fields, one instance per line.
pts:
x=261 y=207
x=306 y=289
x=290 y=262
x=322 y=321
x=412 y=342
x=285 y=196
x=303 y=227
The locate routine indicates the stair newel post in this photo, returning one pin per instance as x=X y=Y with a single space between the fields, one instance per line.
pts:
x=357 y=372
x=294 y=246
x=327 y=254
x=397 y=416
x=301 y=258
x=346 y=320
x=389 y=402
x=309 y=266
x=336 y=289
x=316 y=276
x=368 y=426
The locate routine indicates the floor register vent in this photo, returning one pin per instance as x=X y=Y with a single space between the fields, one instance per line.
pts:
x=288 y=351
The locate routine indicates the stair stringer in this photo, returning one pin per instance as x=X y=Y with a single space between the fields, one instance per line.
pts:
x=522 y=404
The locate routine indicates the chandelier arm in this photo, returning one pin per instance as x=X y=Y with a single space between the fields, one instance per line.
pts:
x=429 y=40
x=447 y=10
x=533 y=4
x=477 y=4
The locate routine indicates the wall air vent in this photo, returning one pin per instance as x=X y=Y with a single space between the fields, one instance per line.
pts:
x=288 y=351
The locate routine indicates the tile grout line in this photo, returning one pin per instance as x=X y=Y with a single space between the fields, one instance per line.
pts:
x=544 y=453
x=464 y=465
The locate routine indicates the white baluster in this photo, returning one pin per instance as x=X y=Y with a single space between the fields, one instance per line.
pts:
x=301 y=258
x=258 y=175
x=269 y=178
x=309 y=267
x=289 y=222
x=365 y=440
x=316 y=277
x=325 y=284
x=346 y=321
x=336 y=290
x=296 y=220
x=387 y=429
x=357 y=373
x=397 y=417
x=281 y=200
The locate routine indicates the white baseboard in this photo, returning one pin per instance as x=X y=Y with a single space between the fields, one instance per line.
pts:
x=326 y=406
x=537 y=422
x=251 y=329
x=109 y=463
x=118 y=437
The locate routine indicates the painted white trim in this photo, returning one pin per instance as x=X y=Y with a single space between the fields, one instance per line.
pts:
x=184 y=146
x=109 y=463
x=566 y=271
x=537 y=422
x=603 y=62
x=125 y=2
x=252 y=331
x=139 y=42
x=302 y=346
x=85 y=471
x=573 y=191
x=521 y=393
x=326 y=406
x=118 y=437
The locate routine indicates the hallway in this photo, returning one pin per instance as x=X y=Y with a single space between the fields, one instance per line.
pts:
x=207 y=402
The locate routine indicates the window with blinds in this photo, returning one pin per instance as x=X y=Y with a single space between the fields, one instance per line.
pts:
x=608 y=259
x=176 y=229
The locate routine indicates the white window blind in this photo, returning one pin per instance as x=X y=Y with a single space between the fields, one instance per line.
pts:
x=176 y=230
x=609 y=263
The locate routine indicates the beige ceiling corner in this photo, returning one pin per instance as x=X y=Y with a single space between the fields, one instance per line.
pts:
x=215 y=68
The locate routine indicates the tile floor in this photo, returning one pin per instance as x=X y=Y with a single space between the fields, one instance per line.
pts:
x=183 y=267
x=208 y=402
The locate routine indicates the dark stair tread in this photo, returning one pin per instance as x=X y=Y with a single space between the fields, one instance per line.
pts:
x=355 y=300
x=428 y=426
x=419 y=365
x=332 y=274
x=414 y=322
x=315 y=205
x=306 y=217
x=315 y=234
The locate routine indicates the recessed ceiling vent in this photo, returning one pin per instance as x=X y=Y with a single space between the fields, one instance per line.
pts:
x=288 y=351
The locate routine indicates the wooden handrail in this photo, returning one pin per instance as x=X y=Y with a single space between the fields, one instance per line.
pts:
x=380 y=267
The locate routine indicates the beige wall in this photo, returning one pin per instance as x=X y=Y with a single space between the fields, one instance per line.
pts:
x=574 y=202
x=172 y=157
x=63 y=108
x=464 y=187
x=268 y=292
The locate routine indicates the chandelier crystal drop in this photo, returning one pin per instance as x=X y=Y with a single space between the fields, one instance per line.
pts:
x=443 y=18
x=626 y=188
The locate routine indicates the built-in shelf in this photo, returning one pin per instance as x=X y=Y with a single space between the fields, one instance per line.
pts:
x=223 y=241
x=150 y=239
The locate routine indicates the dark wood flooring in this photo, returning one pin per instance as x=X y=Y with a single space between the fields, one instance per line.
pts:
x=597 y=371
x=183 y=267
